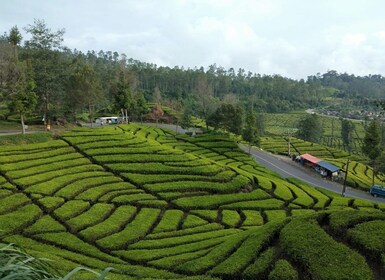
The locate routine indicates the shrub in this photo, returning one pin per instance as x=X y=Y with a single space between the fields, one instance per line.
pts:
x=306 y=243
x=256 y=205
x=259 y=268
x=96 y=214
x=18 y=219
x=71 y=209
x=184 y=239
x=114 y=223
x=216 y=200
x=230 y=217
x=283 y=270
x=215 y=256
x=369 y=237
x=170 y=221
x=193 y=221
x=135 y=230
x=238 y=261
x=253 y=218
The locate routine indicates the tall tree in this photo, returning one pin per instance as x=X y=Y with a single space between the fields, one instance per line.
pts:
x=372 y=141
x=87 y=84
x=43 y=49
x=204 y=96
x=310 y=128
x=250 y=132
x=371 y=146
x=347 y=128
x=122 y=94
x=22 y=99
x=15 y=39
x=186 y=120
x=156 y=113
x=227 y=116
x=141 y=106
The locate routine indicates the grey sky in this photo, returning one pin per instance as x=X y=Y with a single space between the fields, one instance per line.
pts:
x=293 y=38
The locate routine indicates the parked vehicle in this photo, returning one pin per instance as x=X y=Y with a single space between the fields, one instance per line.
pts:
x=377 y=190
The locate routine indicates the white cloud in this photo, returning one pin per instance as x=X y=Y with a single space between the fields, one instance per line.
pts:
x=293 y=38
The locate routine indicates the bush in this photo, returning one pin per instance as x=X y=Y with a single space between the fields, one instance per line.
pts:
x=135 y=230
x=306 y=243
x=283 y=270
x=112 y=224
x=259 y=268
x=239 y=260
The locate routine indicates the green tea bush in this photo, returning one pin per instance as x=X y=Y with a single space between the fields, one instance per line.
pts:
x=238 y=261
x=271 y=203
x=216 y=200
x=193 y=221
x=283 y=270
x=306 y=243
x=369 y=237
x=114 y=223
x=170 y=221
x=135 y=230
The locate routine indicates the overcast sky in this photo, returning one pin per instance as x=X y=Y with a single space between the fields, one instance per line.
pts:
x=293 y=38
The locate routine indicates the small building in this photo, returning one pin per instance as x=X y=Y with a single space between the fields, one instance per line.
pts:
x=330 y=169
x=322 y=167
x=309 y=160
x=106 y=120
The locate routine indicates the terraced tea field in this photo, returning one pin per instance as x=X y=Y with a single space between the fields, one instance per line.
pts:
x=359 y=174
x=152 y=204
x=282 y=124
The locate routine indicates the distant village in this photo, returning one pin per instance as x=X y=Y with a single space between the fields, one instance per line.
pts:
x=354 y=114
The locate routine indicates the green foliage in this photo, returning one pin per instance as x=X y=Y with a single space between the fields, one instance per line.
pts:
x=310 y=128
x=184 y=210
x=308 y=244
x=227 y=116
x=369 y=237
x=21 y=139
x=283 y=270
x=250 y=133
x=259 y=268
x=256 y=240
x=135 y=230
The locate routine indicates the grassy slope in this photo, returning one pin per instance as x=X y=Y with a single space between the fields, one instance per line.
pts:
x=207 y=209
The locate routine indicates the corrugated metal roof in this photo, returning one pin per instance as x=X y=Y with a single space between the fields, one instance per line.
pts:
x=310 y=158
x=328 y=166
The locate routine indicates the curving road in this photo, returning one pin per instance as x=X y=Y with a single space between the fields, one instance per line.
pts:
x=287 y=168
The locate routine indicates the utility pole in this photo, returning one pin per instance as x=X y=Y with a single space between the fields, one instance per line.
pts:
x=346 y=177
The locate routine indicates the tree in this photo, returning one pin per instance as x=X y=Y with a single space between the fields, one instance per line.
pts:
x=186 y=121
x=43 y=49
x=250 y=132
x=204 y=96
x=15 y=39
x=310 y=128
x=372 y=140
x=347 y=128
x=157 y=95
x=141 y=106
x=87 y=85
x=371 y=146
x=122 y=94
x=156 y=113
x=22 y=98
x=228 y=117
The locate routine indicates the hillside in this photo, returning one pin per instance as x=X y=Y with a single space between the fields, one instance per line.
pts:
x=152 y=204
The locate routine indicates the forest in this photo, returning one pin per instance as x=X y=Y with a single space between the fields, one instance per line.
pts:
x=43 y=80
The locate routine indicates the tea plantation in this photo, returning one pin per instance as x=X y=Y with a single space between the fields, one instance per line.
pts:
x=155 y=205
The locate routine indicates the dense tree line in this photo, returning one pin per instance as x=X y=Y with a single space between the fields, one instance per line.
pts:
x=64 y=83
x=351 y=86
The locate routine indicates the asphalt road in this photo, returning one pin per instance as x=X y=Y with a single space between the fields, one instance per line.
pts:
x=288 y=168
